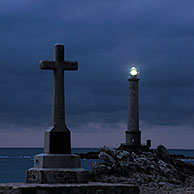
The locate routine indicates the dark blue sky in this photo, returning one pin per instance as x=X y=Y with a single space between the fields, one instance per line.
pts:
x=106 y=38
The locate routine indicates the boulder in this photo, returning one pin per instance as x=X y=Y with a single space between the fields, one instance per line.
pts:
x=153 y=167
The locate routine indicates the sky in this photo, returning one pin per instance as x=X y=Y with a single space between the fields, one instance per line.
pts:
x=107 y=38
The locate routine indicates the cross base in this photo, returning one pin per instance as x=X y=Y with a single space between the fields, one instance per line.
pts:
x=57 y=168
x=89 y=188
x=57 y=175
x=57 y=142
x=57 y=161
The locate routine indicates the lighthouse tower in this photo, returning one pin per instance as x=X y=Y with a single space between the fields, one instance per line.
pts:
x=133 y=134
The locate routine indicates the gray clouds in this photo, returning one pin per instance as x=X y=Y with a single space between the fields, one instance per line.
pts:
x=106 y=38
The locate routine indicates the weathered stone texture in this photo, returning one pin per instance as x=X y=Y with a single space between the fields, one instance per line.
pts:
x=133 y=105
x=91 y=188
x=54 y=175
x=57 y=161
x=155 y=167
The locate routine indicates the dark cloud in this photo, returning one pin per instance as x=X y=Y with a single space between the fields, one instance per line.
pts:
x=106 y=38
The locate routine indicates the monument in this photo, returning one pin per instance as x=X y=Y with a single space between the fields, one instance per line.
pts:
x=57 y=167
x=57 y=164
x=133 y=134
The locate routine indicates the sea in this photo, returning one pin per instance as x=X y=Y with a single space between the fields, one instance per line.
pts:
x=15 y=161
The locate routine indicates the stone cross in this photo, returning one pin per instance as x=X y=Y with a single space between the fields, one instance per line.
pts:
x=57 y=139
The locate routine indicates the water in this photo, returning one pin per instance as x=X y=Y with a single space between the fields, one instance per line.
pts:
x=183 y=152
x=15 y=161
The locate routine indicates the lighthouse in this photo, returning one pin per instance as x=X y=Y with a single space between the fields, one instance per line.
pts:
x=133 y=134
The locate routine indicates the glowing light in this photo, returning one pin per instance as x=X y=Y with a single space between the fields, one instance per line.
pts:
x=133 y=71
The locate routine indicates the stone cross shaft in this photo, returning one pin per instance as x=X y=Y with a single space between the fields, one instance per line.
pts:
x=58 y=66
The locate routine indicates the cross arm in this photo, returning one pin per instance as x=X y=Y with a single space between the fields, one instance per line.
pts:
x=70 y=65
x=47 y=65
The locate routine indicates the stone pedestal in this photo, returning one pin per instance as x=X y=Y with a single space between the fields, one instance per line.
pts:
x=91 y=188
x=56 y=168
x=57 y=161
x=57 y=175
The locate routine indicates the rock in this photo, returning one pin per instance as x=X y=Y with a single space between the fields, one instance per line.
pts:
x=161 y=153
x=109 y=151
x=107 y=159
x=163 y=166
x=153 y=167
x=123 y=154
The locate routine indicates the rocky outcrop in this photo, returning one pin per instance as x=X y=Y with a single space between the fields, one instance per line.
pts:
x=143 y=168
